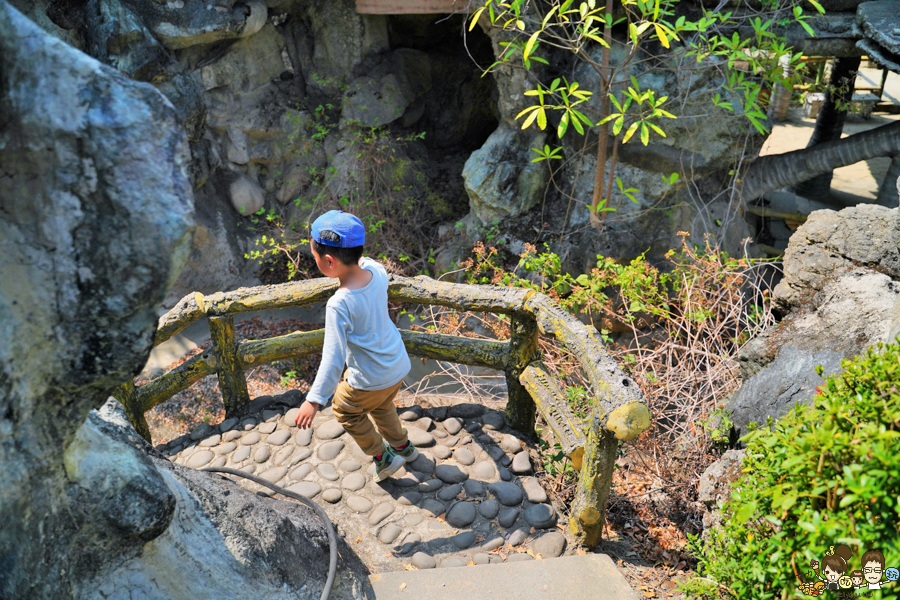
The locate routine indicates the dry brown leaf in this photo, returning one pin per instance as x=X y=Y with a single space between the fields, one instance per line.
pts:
x=402 y=586
x=580 y=551
x=649 y=594
x=358 y=539
x=410 y=567
x=470 y=563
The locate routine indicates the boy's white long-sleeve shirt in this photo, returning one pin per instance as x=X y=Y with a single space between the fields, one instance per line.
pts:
x=360 y=333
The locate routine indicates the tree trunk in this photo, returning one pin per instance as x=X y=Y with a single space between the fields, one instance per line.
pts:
x=781 y=170
x=889 y=192
x=830 y=121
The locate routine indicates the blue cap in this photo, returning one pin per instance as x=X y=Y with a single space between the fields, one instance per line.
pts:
x=349 y=227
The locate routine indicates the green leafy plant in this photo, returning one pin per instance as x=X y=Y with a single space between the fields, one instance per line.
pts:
x=823 y=475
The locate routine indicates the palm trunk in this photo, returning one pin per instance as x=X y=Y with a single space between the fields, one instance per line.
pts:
x=781 y=170
x=830 y=121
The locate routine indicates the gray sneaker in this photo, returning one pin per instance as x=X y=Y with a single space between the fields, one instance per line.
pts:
x=408 y=452
x=389 y=464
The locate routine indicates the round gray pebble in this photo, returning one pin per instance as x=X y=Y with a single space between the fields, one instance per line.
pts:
x=411 y=413
x=507 y=493
x=353 y=482
x=464 y=540
x=409 y=498
x=450 y=473
x=380 y=513
x=549 y=545
x=508 y=516
x=453 y=561
x=412 y=519
x=432 y=485
x=464 y=456
x=227 y=424
x=306 y=488
x=332 y=495
x=230 y=436
x=300 y=472
x=349 y=466
x=533 y=490
x=453 y=425
x=211 y=441
x=279 y=437
x=266 y=428
x=489 y=509
x=521 y=556
x=329 y=450
x=521 y=464
x=492 y=543
x=423 y=561
x=304 y=436
x=481 y=559
x=440 y=451
x=510 y=444
x=485 y=470
x=473 y=488
x=274 y=474
x=262 y=453
x=250 y=439
x=540 y=516
x=461 y=514
x=419 y=438
x=327 y=472
x=226 y=448
x=410 y=542
x=219 y=462
x=359 y=504
x=505 y=475
x=200 y=459
x=518 y=536
x=450 y=492
x=432 y=507
x=389 y=534
x=329 y=430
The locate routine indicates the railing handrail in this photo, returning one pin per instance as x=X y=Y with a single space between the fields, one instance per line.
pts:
x=619 y=411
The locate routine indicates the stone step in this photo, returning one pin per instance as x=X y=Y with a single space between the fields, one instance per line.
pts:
x=589 y=577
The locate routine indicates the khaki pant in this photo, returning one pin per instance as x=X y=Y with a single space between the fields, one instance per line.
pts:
x=352 y=409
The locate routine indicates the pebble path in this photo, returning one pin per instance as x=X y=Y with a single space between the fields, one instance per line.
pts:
x=468 y=494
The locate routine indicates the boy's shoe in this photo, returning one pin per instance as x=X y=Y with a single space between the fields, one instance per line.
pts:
x=389 y=464
x=408 y=452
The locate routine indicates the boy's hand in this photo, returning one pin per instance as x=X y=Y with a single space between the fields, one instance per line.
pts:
x=306 y=414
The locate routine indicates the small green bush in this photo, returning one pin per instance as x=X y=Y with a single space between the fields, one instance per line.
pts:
x=827 y=474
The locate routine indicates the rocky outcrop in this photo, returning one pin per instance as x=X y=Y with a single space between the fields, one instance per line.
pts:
x=95 y=223
x=841 y=290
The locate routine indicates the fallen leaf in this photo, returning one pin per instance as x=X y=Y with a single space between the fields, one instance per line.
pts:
x=649 y=594
x=580 y=551
x=410 y=567
x=533 y=530
x=470 y=563
x=358 y=539
x=402 y=586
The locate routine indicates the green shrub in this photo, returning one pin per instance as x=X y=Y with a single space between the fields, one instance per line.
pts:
x=827 y=474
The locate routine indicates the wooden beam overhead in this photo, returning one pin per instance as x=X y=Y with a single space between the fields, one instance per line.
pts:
x=409 y=7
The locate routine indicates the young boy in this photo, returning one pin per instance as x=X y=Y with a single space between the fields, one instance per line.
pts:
x=359 y=331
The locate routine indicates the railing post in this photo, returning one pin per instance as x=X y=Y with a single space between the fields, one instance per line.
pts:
x=126 y=396
x=232 y=382
x=589 y=506
x=523 y=338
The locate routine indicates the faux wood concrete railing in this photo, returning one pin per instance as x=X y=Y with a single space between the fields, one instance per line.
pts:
x=619 y=411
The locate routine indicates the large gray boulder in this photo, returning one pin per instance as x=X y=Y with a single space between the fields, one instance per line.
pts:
x=840 y=287
x=501 y=180
x=95 y=219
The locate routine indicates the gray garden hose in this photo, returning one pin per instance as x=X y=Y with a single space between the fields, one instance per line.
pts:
x=332 y=539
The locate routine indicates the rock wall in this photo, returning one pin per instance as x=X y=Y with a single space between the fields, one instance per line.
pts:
x=839 y=294
x=93 y=173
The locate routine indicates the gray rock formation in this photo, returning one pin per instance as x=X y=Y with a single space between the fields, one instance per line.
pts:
x=840 y=286
x=95 y=221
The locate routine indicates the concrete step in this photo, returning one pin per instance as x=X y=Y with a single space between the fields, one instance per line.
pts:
x=589 y=577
